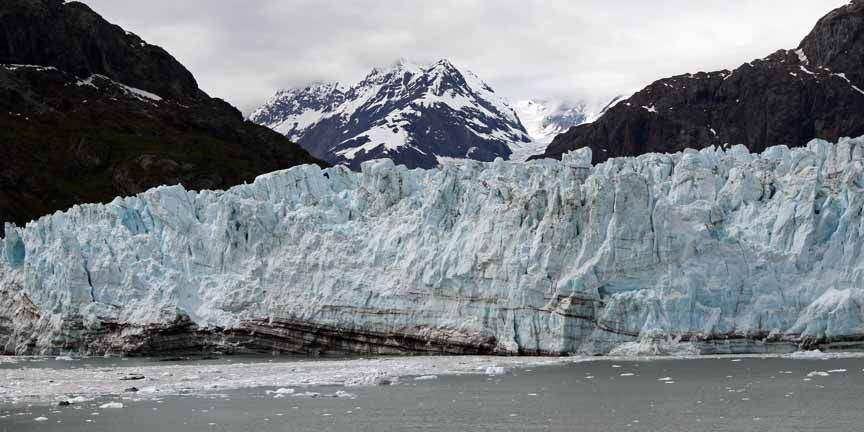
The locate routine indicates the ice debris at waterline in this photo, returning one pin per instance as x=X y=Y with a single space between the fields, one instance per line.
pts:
x=718 y=250
x=291 y=379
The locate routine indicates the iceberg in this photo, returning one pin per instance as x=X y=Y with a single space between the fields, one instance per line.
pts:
x=711 y=251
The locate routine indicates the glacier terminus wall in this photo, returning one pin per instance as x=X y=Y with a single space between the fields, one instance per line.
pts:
x=709 y=251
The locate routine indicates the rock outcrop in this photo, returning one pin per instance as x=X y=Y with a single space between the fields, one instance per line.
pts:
x=89 y=111
x=718 y=250
x=790 y=97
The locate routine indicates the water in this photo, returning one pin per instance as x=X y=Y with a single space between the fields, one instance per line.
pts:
x=749 y=394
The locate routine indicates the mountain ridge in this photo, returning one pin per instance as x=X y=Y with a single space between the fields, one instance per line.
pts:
x=415 y=114
x=788 y=97
x=100 y=113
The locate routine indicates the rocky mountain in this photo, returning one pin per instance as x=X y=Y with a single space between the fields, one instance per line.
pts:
x=789 y=97
x=712 y=251
x=89 y=111
x=416 y=115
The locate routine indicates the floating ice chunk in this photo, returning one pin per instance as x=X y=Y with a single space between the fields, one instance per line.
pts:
x=79 y=399
x=426 y=378
x=64 y=358
x=832 y=371
x=381 y=381
x=495 y=370
x=281 y=391
x=664 y=379
x=111 y=405
x=627 y=374
x=818 y=373
x=40 y=419
x=808 y=354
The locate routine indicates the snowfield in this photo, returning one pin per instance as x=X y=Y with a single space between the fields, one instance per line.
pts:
x=716 y=251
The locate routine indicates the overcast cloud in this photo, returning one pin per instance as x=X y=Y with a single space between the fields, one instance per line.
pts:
x=245 y=50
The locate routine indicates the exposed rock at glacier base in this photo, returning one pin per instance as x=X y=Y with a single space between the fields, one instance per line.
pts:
x=711 y=251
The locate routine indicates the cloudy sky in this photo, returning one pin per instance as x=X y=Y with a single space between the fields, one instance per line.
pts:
x=244 y=50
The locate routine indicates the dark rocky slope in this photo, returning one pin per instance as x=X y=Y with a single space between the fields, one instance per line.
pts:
x=790 y=97
x=78 y=129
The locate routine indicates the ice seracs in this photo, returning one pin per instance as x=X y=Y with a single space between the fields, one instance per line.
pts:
x=718 y=250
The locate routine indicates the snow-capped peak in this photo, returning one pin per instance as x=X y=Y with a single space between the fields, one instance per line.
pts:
x=294 y=109
x=545 y=119
x=413 y=113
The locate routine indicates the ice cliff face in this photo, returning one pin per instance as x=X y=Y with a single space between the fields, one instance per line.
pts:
x=719 y=250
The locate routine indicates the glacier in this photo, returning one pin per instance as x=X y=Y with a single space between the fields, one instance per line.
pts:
x=711 y=251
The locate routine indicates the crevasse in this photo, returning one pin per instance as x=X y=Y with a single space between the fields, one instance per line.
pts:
x=719 y=250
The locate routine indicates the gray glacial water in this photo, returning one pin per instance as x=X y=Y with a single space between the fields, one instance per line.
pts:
x=720 y=394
